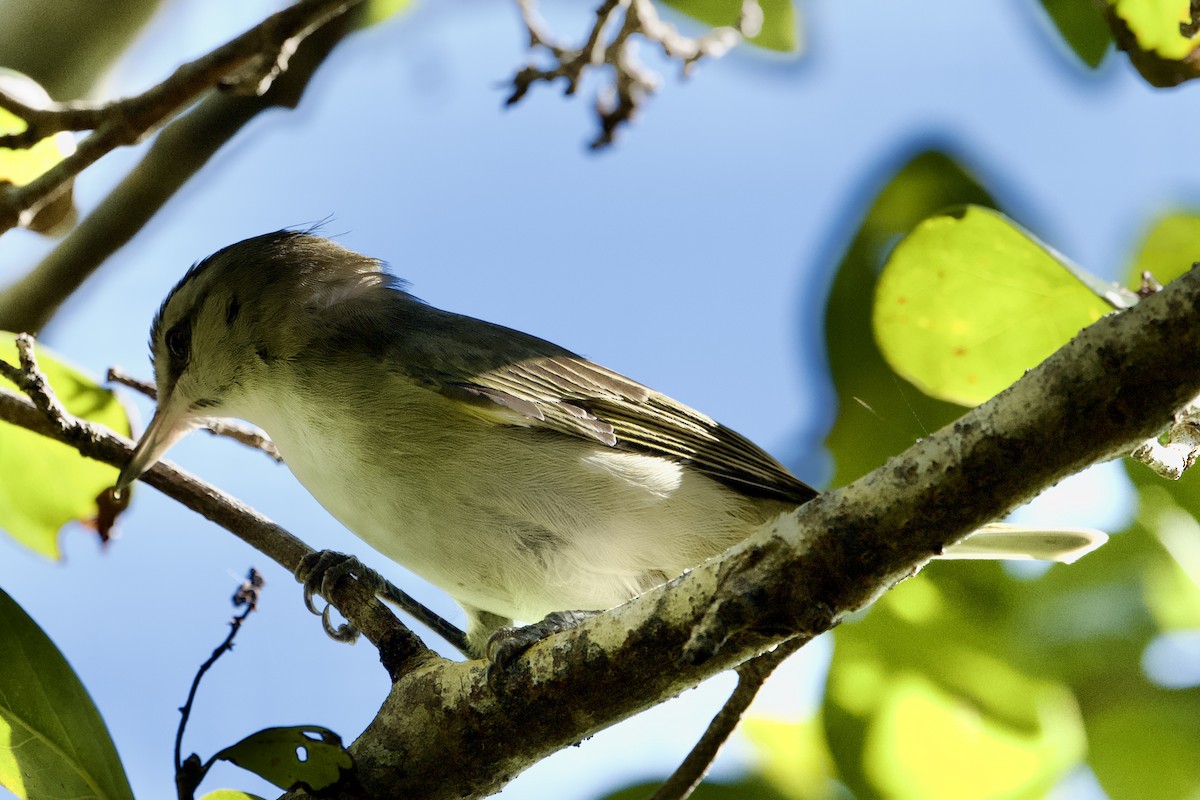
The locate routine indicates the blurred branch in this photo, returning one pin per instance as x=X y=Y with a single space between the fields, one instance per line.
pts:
x=248 y=63
x=178 y=152
x=243 y=434
x=400 y=649
x=631 y=82
x=751 y=677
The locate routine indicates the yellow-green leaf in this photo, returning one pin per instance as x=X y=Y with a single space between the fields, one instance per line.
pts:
x=47 y=484
x=1155 y=24
x=230 y=794
x=53 y=742
x=1169 y=248
x=306 y=754
x=779 y=24
x=793 y=757
x=968 y=301
x=377 y=11
x=19 y=167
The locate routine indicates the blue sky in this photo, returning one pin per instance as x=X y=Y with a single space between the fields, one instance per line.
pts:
x=693 y=257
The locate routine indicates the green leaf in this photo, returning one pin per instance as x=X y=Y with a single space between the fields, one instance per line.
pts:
x=303 y=754
x=377 y=11
x=1083 y=27
x=1145 y=746
x=880 y=414
x=779 y=26
x=19 y=167
x=230 y=794
x=1168 y=249
x=793 y=757
x=53 y=742
x=920 y=705
x=46 y=483
x=1155 y=25
x=968 y=301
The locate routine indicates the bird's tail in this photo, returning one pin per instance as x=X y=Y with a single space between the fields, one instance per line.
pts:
x=1018 y=542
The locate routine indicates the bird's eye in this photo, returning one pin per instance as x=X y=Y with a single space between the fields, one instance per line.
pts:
x=179 y=341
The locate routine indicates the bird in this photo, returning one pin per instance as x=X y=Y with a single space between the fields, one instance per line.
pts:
x=519 y=477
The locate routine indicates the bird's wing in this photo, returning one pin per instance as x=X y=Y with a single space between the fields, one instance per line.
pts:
x=573 y=396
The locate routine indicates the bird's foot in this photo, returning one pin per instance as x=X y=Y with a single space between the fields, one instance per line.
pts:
x=507 y=644
x=319 y=572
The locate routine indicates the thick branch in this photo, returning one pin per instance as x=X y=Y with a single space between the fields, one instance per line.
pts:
x=446 y=732
x=252 y=59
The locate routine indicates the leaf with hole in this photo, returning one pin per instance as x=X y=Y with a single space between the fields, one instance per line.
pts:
x=287 y=757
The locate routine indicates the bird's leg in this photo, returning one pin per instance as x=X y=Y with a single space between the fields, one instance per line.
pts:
x=320 y=572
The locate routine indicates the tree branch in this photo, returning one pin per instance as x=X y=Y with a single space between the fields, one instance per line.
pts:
x=447 y=732
x=177 y=153
x=249 y=62
x=751 y=677
x=631 y=83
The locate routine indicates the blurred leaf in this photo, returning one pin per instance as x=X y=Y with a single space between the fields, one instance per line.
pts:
x=19 y=167
x=967 y=302
x=382 y=10
x=1168 y=249
x=1083 y=27
x=920 y=705
x=307 y=754
x=879 y=414
x=1155 y=24
x=1145 y=746
x=53 y=742
x=46 y=483
x=928 y=743
x=230 y=794
x=793 y=757
x=779 y=19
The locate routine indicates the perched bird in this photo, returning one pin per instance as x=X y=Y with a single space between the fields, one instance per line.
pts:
x=519 y=477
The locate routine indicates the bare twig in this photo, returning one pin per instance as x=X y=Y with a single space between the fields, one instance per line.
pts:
x=631 y=83
x=187 y=774
x=751 y=677
x=248 y=62
x=399 y=648
x=244 y=434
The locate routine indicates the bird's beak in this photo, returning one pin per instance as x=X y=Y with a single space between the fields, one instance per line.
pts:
x=168 y=426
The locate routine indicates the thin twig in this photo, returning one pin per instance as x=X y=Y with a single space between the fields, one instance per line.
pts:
x=751 y=676
x=252 y=60
x=631 y=83
x=244 y=434
x=187 y=777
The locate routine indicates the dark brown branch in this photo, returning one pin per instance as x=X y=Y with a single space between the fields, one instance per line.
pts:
x=252 y=60
x=631 y=83
x=751 y=677
x=243 y=434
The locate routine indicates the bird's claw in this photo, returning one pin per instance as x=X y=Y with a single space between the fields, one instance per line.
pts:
x=319 y=572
